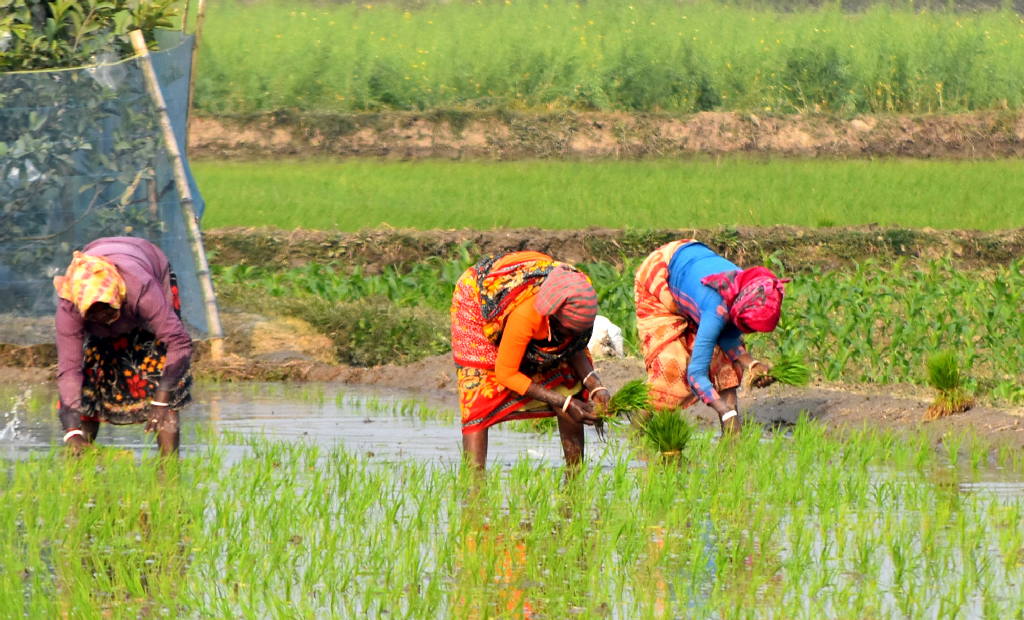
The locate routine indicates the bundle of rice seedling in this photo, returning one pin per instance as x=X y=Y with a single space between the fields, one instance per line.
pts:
x=944 y=375
x=791 y=371
x=666 y=431
x=631 y=398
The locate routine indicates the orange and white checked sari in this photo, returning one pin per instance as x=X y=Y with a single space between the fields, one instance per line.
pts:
x=666 y=337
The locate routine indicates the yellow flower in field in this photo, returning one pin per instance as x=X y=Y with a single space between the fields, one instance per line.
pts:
x=407 y=15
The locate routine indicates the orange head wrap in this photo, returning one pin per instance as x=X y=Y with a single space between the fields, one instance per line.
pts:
x=89 y=280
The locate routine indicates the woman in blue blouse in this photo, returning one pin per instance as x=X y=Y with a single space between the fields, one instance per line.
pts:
x=693 y=307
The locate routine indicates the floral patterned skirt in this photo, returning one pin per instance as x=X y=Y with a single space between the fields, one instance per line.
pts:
x=122 y=373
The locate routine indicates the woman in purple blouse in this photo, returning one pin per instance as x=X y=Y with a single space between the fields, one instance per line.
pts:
x=123 y=353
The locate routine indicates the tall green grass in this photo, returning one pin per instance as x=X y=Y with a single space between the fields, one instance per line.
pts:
x=605 y=54
x=353 y=194
x=809 y=527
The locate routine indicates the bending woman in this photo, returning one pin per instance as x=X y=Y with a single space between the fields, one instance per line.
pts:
x=122 y=351
x=692 y=309
x=520 y=328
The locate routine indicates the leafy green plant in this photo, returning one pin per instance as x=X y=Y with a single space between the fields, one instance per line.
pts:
x=73 y=33
x=944 y=375
x=374 y=331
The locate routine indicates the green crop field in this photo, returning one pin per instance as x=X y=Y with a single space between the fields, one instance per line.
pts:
x=352 y=194
x=605 y=54
x=874 y=527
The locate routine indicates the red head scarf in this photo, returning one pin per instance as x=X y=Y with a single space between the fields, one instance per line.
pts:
x=570 y=297
x=754 y=297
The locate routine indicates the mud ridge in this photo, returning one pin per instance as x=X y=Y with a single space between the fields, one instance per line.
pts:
x=798 y=249
x=509 y=135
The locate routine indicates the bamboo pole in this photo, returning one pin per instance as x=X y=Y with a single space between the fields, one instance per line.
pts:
x=184 y=17
x=200 y=15
x=195 y=236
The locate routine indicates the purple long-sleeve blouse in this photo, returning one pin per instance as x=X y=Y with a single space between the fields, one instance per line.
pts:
x=149 y=304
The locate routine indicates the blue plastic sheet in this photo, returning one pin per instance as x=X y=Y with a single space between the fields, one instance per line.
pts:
x=82 y=156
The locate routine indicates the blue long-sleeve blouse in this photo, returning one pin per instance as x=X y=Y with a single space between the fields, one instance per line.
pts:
x=704 y=306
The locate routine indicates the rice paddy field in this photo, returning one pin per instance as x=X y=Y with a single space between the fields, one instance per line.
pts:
x=258 y=521
x=602 y=54
x=358 y=193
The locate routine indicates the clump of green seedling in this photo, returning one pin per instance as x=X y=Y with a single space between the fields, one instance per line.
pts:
x=634 y=397
x=666 y=432
x=944 y=375
x=791 y=371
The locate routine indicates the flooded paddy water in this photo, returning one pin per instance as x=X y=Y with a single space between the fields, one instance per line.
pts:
x=387 y=424
x=322 y=501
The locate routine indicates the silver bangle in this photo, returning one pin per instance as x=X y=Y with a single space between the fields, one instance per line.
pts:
x=155 y=403
x=728 y=415
x=565 y=405
x=592 y=373
x=72 y=433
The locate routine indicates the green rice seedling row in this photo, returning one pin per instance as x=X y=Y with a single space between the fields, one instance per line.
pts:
x=702 y=193
x=871 y=526
x=601 y=54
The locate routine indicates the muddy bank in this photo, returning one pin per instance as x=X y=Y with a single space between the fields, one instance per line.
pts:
x=798 y=248
x=507 y=135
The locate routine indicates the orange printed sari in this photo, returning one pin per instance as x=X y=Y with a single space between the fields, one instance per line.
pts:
x=666 y=337
x=485 y=295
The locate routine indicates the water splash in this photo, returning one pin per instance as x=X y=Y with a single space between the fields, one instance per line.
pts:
x=12 y=422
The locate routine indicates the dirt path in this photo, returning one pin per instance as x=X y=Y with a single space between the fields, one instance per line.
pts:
x=507 y=135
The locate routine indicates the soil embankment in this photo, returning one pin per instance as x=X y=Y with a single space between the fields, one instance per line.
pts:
x=798 y=248
x=508 y=135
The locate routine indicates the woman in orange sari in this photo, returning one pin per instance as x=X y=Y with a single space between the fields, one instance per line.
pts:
x=520 y=327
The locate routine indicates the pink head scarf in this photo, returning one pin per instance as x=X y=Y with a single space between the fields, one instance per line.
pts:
x=754 y=297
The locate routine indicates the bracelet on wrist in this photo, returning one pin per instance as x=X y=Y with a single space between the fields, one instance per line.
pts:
x=728 y=415
x=598 y=389
x=565 y=405
x=72 y=433
x=156 y=403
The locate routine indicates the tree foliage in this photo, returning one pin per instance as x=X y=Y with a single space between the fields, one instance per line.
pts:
x=79 y=148
x=72 y=33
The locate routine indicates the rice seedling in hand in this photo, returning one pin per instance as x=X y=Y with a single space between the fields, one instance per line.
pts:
x=631 y=398
x=944 y=375
x=791 y=371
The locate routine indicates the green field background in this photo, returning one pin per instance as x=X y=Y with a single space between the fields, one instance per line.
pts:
x=353 y=194
x=605 y=54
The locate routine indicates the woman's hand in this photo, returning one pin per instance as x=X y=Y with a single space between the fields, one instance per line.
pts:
x=730 y=426
x=581 y=412
x=158 y=417
x=757 y=372
x=77 y=443
x=599 y=396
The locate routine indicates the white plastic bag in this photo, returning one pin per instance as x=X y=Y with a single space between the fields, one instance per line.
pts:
x=606 y=340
